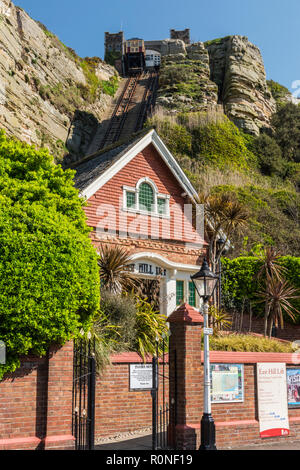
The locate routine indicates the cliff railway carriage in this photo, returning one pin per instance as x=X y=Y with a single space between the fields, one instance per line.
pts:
x=153 y=59
x=134 y=56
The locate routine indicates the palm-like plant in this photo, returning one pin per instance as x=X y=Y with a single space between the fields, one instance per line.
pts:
x=224 y=216
x=114 y=273
x=277 y=297
x=270 y=270
x=220 y=319
x=270 y=266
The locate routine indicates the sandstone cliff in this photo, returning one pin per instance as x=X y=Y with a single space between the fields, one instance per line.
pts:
x=227 y=72
x=48 y=95
x=184 y=83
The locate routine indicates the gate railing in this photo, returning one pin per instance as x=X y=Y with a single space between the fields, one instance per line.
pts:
x=163 y=410
x=84 y=383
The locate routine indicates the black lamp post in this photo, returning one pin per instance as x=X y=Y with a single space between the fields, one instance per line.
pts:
x=205 y=282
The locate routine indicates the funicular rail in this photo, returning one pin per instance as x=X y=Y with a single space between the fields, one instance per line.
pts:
x=138 y=94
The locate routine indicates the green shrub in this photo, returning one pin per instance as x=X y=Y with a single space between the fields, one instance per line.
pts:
x=269 y=155
x=286 y=123
x=49 y=280
x=279 y=92
x=135 y=324
x=110 y=86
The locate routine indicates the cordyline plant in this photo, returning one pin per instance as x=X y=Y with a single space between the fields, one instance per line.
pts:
x=114 y=274
x=277 y=292
x=277 y=297
x=269 y=270
x=224 y=216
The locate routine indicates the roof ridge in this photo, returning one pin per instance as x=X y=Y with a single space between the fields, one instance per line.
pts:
x=117 y=144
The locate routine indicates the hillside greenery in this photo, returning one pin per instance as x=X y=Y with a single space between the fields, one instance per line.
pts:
x=263 y=172
x=280 y=93
x=49 y=279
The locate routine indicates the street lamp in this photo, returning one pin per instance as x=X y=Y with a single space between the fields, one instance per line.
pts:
x=205 y=282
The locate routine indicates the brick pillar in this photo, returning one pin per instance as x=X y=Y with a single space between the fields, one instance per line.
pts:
x=186 y=388
x=59 y=400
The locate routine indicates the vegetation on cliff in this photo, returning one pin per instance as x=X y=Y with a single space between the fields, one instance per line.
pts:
x=262 y=172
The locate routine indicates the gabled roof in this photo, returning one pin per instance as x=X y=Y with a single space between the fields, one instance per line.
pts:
x=94 y=171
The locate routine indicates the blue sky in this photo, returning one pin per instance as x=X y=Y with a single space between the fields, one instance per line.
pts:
x=273 y=25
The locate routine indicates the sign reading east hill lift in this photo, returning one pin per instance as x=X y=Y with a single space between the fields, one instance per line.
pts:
x=272 y=400
x=140 y=376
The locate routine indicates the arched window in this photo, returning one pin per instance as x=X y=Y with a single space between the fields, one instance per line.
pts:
x=146 y=197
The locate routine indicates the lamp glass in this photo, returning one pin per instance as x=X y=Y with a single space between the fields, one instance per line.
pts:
x=205 y=286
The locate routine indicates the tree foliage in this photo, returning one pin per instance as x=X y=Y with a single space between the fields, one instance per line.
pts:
x=286 y=123
x=49 y=281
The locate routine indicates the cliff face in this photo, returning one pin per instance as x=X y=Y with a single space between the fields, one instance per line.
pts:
x=184 y=83
x=237 y=68
x=46 y=93
x=227 y=73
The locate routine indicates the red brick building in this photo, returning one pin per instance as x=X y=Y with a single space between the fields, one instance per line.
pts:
x=139 y=197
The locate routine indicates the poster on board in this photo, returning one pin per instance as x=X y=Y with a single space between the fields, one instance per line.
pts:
x=272 y=399
x=293 y=386
x=227 y=383
x=140 y=376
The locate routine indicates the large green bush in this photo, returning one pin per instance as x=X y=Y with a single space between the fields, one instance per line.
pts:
x=49 y=282
x=286 y=124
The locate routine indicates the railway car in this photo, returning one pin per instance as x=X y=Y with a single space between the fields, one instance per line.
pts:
x=134 y=56
x=153 y=59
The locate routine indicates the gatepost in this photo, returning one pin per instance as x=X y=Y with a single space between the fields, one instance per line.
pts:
x=185 y=345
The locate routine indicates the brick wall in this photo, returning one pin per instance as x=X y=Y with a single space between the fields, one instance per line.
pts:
x=236 y=423
x=119 y=409
x=36 y=403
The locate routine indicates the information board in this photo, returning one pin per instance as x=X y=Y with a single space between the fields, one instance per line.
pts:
x=293 y=387
x=227 y=383
x=272 y=399
x=140 y=376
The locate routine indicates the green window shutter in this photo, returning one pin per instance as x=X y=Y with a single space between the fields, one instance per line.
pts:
x=162 y=205
x=130 y=199
x=146 y=197
x=179 y=292
x=192 y=294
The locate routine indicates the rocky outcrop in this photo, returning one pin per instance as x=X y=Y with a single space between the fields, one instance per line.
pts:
x=227 y=73
x=45 y=94
x=184 y=83
x=237 y=68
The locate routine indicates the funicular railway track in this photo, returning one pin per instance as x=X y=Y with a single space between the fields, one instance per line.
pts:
x=134 y=105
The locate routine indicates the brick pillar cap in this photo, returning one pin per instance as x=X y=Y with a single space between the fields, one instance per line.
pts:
x=186 y=314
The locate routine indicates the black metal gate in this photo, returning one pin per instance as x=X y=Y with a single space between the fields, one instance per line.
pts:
x=84 y=381
x=164 y=399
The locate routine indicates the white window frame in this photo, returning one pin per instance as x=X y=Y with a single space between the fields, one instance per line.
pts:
x=156 y=193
